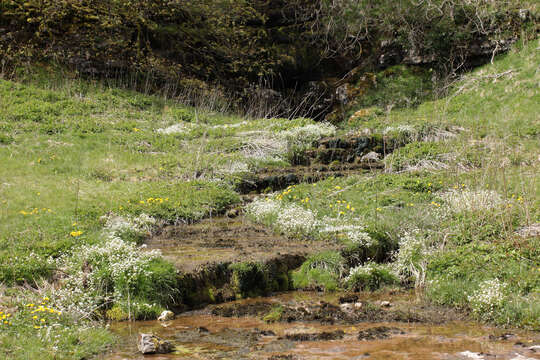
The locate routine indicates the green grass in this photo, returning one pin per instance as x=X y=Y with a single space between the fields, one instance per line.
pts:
x=73 y=152
x=462 y=187
x=77 y=152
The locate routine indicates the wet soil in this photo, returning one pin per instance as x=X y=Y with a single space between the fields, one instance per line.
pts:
x=227 y=240
x=271 y=179
x=203 y=335
x=346 y=309
x=379 y=332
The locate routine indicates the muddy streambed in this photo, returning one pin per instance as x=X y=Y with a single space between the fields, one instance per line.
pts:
x=311 y=325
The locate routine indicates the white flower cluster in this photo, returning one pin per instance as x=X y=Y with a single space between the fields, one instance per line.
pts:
x=116 y=225
x=174 y=129
x=264 y=146
x=229 y=126
x=406 y=129
x=412 y=257
x=467 y=200
x=293 y=219
x=234 y=168
x=304 y=136
x=488 y=298
x=93 y=272
x=354 y=232
x=263 y=208
x=366 y=270
x=289 y=218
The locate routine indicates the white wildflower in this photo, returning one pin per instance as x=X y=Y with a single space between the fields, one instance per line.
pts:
x=467 y=200
x=263 y=208
x=488 y=298
x=117 y=225
x=91 y=270
x=294 y=219
x=365 y=269
x=304 y=136
x=412 y=257
x=234 y=168
x=264 y=146
x=229 y=126
x=354 y=232
x=173 y=129
x=406 y=129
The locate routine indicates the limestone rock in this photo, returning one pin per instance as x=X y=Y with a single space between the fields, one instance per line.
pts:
x=151 y=344
x=371 y=156
x=347 y=307
x=166 y=316
x=529 y=231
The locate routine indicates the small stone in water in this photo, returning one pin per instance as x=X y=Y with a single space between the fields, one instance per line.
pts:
x=151 y=344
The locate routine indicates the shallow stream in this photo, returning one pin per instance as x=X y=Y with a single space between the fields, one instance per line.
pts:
x=236 y=331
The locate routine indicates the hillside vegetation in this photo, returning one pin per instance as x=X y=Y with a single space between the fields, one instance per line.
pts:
x=90 y=170
x=198 y=47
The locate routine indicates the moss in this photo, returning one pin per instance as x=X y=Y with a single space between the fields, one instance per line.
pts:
x=274 y=315
x=249 y=279
x=116 y=313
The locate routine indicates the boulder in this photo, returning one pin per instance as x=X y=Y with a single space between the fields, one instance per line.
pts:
x=371 y=156
x=166 y=316
x=151 y=344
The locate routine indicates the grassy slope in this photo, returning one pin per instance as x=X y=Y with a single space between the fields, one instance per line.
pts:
x=72 y=152
x=82 y=150
x=481 y=146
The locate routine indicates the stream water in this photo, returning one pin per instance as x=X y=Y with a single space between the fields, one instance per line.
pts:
x=236 y=331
